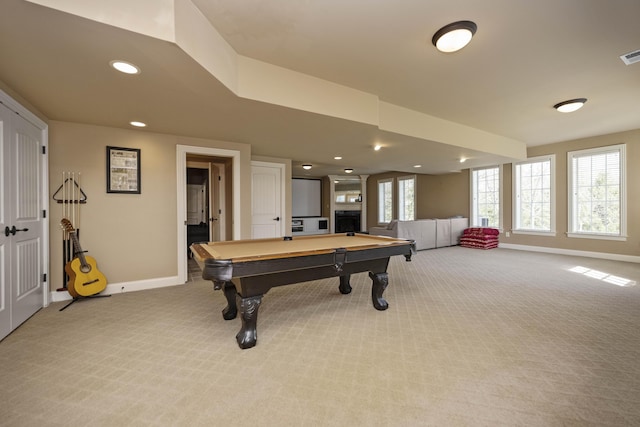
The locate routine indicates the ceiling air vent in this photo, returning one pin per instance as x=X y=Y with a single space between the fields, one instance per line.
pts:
x=631 y=57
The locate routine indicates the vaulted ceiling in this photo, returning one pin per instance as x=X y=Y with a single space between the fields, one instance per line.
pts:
x=313 y=80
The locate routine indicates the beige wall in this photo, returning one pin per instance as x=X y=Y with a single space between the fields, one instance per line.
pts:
x=561 y=241
x=442 y=196
x=131 y=236
x=438 y=196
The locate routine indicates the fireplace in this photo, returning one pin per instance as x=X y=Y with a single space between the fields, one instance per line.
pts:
x=347 y=221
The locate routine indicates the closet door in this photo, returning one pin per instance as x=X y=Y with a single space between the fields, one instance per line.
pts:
x=21 y=218
x=5 y=251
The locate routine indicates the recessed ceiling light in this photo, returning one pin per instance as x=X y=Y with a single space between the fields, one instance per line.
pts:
x=337 y=158
x=462 y=159
x=348 y=170
x=454 y=36
x=306 y=167
x=570 y=105
x=377 y=147
x=417 y=166
x=138 y=124
x=125 y=67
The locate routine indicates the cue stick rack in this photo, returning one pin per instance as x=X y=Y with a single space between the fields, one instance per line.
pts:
x=70 y=196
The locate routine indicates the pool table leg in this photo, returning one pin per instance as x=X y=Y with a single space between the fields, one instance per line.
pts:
x=248 y=334
x=231 y=310
x=345 y=286
x=380 y=282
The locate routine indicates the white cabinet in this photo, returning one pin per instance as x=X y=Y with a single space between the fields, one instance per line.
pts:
x=449 y=231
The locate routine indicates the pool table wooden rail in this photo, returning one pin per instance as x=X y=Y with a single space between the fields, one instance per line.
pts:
x=246 y=276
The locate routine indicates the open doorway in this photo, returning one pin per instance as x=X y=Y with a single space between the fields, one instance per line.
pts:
x=208 y=200
x=206 y=208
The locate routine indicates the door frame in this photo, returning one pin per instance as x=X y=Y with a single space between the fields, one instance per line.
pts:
x=20 y=110
x=181 y=178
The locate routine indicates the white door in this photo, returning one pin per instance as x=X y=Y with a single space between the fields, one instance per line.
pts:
x=22 y=280
x=5 y=250
x=266 y=200
x=195 y=204
x=216 y=203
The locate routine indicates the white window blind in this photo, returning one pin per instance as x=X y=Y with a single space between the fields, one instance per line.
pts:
x=407 y=198
x=385 y=201
x=486 y=197
x=534 y=195
x=596 y=193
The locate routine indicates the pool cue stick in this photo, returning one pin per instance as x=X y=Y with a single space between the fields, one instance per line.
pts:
x=73 y=196
x=65 y=238
x=79 y=196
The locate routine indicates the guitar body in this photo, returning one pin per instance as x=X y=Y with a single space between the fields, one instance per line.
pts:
x=84 y=277
x=84 y=280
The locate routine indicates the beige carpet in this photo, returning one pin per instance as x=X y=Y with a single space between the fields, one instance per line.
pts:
x=471 y=338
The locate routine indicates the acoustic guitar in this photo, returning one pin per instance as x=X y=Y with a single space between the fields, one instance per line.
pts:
x=84 y=277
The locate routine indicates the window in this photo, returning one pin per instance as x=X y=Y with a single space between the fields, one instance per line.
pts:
x=385 y=201
x=534 y=195
x=407 y=198
x=597 y=202
x=485 y=196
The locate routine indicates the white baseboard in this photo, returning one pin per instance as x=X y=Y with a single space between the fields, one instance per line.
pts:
x=601 y=255
x=122 y=287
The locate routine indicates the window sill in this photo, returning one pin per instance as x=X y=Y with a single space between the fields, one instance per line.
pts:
x=597 y=236
x=535 y=233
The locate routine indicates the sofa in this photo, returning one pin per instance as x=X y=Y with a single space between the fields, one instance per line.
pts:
x=427 y=233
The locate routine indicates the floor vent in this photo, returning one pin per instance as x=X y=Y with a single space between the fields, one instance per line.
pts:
x=631 y=57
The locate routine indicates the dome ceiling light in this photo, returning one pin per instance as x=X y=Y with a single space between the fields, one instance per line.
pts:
x=570 y=106
x=306 y=167
x=454 y=36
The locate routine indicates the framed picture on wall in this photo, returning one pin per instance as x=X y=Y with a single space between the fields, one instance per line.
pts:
x=123 y=170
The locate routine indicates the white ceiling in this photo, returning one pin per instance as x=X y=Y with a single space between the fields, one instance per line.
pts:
x=525 y=57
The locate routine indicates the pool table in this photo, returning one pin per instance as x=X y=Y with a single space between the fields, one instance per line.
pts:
x=246 y=269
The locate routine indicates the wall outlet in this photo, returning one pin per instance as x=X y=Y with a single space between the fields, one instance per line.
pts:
x=507 y=234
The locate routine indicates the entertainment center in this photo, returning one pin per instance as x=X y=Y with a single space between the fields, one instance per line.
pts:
x=306 y=226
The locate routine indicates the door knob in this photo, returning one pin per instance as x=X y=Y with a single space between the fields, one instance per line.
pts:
x=13 y=230
x=276 y=218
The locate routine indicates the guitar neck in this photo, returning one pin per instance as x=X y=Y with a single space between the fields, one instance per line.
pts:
x=77 y=249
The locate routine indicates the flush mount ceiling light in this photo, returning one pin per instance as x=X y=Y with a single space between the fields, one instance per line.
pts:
x=570 y=105
x=306 y=167
x=125 y=67
x=454 y=36
x=138 y=124
x=348 y=170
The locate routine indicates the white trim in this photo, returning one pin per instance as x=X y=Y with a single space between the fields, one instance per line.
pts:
x=378 y=212
x=621 y=148
x=20 y=110
x=283 y=190
x=535 y=232
x=17 y=108
x=515 y=212
x=181 y=185
x=473 y=218
x=122 y=287
x=571 y=252
x=597 y=236
x=413 y=178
